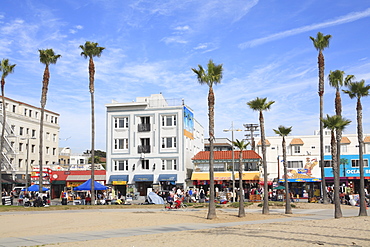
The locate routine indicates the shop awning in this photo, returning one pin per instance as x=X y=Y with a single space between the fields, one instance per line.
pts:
x=302 y=180
x=248 y=176
x=84 y=177
x=205 y=176
x=143 y=178
x=58 y=182
x=167 y=177
x=118 y=179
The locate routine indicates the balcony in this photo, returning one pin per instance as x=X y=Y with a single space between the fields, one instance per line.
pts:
x=143 y=149
x=144 y=127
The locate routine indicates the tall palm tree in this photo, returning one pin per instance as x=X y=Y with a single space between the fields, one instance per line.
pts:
x=242 y=146
x=47 y=57
x=335 y=123
x=6 y=68
x=283 y=132
x=90 y=50
x=260 y=105
x=337 y=80
x=320 y=43
x=213 y=75
x=359 y=90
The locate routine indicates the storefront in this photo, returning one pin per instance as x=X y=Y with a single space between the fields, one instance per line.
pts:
x=143 y=182
x=167 y=181
x=119 y=183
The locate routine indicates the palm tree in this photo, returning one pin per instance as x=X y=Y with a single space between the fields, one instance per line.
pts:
x=359 y=90
x=213 y=75
x=6 y=68
x=283 y=132
x=90 y=50
x=260 y=105
x=335 y=123
x=320 y=43
x=47 y=57
x=337 y=80
x=242 y=146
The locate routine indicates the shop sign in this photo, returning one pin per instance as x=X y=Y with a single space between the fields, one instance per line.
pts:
x=356 y=171
x=74 y=184
x=119 y=182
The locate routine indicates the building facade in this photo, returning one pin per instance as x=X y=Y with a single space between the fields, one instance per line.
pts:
x=21 y=140
x=303 y=161
x=150 y=144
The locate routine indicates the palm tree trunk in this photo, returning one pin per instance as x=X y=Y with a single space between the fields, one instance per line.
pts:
x=338 y=111
x=288 y=207
x=321 y=64
x=241 y=197
x=2 y=137
x=337 y=209
x=212 y=206
x=91 y=87
x=45 y=84
x=363 y=211
x=265 y=209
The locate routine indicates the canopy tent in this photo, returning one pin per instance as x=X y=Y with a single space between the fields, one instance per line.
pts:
x=35 y=187
x=87 y=186
x=280 y=187
x=154 y=198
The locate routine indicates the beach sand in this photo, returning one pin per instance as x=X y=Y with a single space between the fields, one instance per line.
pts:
x=347 y=231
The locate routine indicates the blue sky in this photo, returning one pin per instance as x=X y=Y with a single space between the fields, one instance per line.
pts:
x=151 y=46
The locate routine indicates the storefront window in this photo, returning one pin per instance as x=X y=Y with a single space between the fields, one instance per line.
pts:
x=356 y=163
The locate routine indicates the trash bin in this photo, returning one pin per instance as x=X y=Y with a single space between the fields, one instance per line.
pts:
x=64 y=201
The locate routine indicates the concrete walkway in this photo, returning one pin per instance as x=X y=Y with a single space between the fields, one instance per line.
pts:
x=308 y=214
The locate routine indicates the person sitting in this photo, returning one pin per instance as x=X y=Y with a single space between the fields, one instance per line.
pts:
x=170 y=200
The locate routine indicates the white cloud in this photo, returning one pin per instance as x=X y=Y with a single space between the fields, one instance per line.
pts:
x=174 y=39
x=341 y=20
x=182 y=28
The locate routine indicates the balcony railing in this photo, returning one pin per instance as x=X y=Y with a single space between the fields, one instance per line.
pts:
x=143 y=149
x=144 y=127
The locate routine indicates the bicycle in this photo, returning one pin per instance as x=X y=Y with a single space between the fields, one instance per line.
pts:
x=175 y=205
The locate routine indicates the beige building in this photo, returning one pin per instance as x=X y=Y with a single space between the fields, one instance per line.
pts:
x=21 y=142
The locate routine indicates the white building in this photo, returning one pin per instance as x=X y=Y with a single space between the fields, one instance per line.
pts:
x=150 y=144
x=21 y=143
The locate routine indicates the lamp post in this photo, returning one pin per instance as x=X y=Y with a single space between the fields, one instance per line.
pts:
x=28 y=154
x=232 y=156
x=251 y=128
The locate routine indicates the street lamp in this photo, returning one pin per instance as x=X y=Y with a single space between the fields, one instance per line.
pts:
x=232 y=155
x=28 y=153
x=251 y=128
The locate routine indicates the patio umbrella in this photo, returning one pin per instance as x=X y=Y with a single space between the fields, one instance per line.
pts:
x=35 y=187
x=280 y=187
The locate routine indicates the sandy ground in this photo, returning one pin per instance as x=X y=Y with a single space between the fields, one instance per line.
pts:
x=353 y=231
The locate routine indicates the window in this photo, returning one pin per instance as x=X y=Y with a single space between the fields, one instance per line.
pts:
x=327 y=163
x=25 y=112
x=54 y=151
x=145 y=164
x=327 y=149
x=54 y=138
x=313 y=147
x=36 y=115
x=121 y=122
x=47 y=150
x=56 y=120
x=33 y=133
x=121 y=144
x=169 y=165
x=33 y=148
x=14 y=108
x=12 y=144
x=295 y=164
x=169 y=120
x=20 y=161
x=21 y=131
x=13 y=128
x=47 y=136
x=20 y=147
x=297 y=149
x=120 y=165
x=46 y=117
x=27 y=131
x=356 y=163
x=52 y=119
x=168 y=142
x=30 y=113
x=343 y=148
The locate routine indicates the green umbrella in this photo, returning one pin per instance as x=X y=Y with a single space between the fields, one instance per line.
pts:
x=280 y=187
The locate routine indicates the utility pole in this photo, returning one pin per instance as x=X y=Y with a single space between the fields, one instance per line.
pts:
x=28 y=162
x=232 y=155
x=251 y=128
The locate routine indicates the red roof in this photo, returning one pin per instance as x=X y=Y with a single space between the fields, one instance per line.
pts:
x=226 y=155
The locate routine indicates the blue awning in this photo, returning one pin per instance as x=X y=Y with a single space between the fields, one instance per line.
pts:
x=118 y=178
x=167 y=177
x=143 y=178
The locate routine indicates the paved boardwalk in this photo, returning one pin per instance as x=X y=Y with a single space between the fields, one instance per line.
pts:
x=299 y=214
